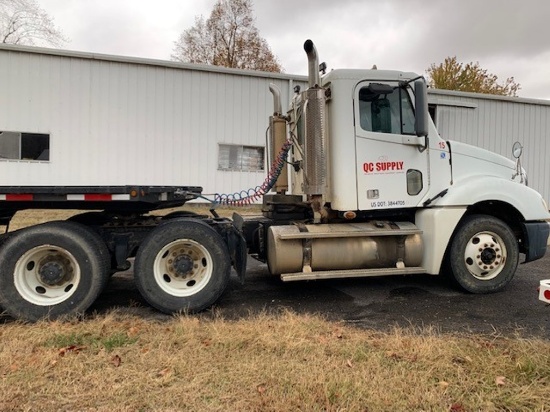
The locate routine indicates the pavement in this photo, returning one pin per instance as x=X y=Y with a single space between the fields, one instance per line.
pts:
x=414 y=301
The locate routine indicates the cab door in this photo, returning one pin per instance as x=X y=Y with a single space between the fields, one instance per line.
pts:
x=391 y=161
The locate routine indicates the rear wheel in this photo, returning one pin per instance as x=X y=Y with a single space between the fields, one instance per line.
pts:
x=484 y=254
x=51 y=270
x=182 y=265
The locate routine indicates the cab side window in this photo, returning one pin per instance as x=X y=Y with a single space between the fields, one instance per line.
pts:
x=385 y=109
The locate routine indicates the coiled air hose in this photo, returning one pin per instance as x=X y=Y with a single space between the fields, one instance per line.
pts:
x=246 y=197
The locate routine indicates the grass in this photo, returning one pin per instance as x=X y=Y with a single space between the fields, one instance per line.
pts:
x=89 y=340
x=280 y=362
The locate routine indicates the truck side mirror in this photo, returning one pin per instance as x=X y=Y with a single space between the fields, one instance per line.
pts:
x=421 y=108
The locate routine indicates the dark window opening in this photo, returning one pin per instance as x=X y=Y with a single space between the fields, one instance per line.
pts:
x=432 y=109
x=24 y=146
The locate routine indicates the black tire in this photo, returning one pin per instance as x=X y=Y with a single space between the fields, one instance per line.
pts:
x=181 y=214
x=89 y=220
x=483 y=254
x=182 y=265
x=52 y=270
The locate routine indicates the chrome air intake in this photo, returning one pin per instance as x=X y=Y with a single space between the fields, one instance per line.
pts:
x=277 y=138
x=277 y=106
x=315 y=142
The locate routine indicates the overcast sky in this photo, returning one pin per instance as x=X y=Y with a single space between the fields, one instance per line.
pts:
x=507 y=37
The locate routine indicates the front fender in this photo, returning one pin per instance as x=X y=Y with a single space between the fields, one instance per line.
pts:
x=479 y=188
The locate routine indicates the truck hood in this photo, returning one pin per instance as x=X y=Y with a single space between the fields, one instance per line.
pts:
x=468 y=160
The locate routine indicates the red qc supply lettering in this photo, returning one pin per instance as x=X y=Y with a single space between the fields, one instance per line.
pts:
x=382 y=167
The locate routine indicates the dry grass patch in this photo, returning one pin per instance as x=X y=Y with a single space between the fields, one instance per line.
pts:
x=269 y=363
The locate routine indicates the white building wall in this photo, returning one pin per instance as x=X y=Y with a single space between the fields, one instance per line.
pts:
x=126 y=121
x=116 y=121
x=495 y=123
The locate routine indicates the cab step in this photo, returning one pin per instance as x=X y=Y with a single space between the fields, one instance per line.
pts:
x=353 y=273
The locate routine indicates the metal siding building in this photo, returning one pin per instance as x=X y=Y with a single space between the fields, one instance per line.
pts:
x=495 y=123
x=123 y=121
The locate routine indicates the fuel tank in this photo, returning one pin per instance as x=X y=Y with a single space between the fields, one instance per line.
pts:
x=298 y=248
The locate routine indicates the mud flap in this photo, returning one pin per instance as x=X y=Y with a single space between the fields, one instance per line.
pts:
x=238 y=252
x=536 y=237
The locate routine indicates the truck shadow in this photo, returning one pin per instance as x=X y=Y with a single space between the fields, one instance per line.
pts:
x=262 y=293
x=419 y=302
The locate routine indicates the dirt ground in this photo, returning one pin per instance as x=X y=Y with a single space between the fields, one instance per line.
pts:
x=374 y=303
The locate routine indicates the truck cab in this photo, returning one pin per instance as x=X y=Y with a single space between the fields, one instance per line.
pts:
x=378 y=161
x=389 y=196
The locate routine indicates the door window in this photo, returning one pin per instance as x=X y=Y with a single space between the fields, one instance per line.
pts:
x=386 y=109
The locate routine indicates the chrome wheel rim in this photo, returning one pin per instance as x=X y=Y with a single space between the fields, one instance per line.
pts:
x=183 y=268
x=485 y=255
x=47 y=275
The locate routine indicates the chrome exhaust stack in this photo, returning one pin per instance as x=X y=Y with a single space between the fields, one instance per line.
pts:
x=315 y=134
x=313 y=64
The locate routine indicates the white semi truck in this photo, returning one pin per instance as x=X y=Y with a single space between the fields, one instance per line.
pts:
x=360 y=184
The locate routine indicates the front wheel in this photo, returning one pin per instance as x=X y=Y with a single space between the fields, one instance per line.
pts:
x=182 y=265
x=484 y=254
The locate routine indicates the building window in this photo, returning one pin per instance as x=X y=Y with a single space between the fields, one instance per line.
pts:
x=240 y=158
x=24 y=146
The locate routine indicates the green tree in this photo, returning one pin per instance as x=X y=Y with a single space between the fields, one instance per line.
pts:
x=25 y=22
x=227 y=38
x=470 y=77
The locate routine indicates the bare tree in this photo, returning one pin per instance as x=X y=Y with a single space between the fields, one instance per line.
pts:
x=25 y=22
x=452 y=75
x=227 y=38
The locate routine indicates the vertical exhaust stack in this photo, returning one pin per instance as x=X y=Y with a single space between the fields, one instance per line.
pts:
x=315 y=142
x=313 y=64
x=277 y=138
